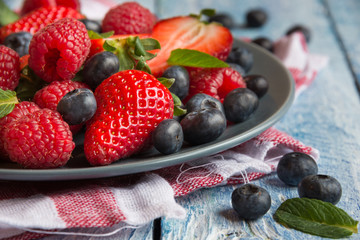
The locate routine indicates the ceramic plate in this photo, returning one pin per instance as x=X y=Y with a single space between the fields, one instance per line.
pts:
x=272 y=107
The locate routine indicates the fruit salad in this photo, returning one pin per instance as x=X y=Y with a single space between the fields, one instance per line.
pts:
x=129 y=83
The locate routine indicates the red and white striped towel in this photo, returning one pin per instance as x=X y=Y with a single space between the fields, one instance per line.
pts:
x=30 y=209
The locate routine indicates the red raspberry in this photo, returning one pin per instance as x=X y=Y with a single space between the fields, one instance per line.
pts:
x=21 y=109
x=38 y=19
x=39 y=140
x=50 y=95
x=9 y=68
x=30 y=5
x=58 y=50
x=216 y=82
x=128 y=18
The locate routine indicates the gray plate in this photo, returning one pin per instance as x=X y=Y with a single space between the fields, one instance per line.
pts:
x=272 y=107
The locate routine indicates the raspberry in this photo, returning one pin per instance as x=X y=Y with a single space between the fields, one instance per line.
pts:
x=50 y=95
x=128 y=18
x=58 y=50
x=39 y=140
x=30 y=5
x=9 y=68
x=20 y=110
x=38 y=19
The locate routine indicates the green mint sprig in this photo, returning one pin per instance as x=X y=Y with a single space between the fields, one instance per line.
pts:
x=8 y=100
x=6 y=14
x=194 y=58
x=316 y=217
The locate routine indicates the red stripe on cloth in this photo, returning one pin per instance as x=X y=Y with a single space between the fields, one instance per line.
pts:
x=27 y=236
x=89 y=207
x=240 y=179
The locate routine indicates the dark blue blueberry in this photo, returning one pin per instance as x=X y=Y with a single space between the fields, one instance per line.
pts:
x=294 y=166
x=257 y=83
x=300 y=28
x=250 y=201
x=19 y=42
x=181 y=85
x=265 y=43
x=237 y=68
x=92 y=25
x=202 y=101
x=242 y=57
x=224 y=19
x=77 y=106
x=168 y=136
x=240 y=104
x=203 y=126
x=321 y=187
x=256 y=18
x=99 y=67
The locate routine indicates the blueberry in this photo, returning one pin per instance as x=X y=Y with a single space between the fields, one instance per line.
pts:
x=181 y=85
x=237 y=68
x=203 y=126
x=257 y=83
x=256 y=18
x=77 y=106
x=99 y=67
x=265 y=43
x=250 y=201
x=19 y=42
x=92 y=25
x=240 y=104
x=321 y=187
x=202 y=101
x=294 y=166
x=168 y=136
x=300 y=28
x=242 y=57
x=224 y=19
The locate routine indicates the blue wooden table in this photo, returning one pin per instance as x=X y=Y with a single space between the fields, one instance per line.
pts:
x=325 y=116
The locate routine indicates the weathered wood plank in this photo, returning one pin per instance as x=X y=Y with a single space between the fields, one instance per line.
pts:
x=325 y=117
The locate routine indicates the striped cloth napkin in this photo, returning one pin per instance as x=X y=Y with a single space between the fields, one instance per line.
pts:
x=29 y=210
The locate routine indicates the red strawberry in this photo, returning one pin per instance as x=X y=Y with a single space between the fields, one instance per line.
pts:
x=36 y=20
x=58 y=51
x=216 y=82
x=39 y=140
x=24 y=61
x=21 y=109
x=189 y=33
x=9 y=68
x=50 y=96
x=30 y=5
x=131 y=104
x=128 y=18
x=97 y=44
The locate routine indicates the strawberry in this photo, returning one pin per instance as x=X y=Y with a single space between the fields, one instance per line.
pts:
x=216 y=82
x=58 y=51
x=21 y=109
x=39 y=18
x=131 y=103
x=39 y=140
x=190 y=33
x=128 y=18
x=9 y=68
x=30 y=5
x=98 y=43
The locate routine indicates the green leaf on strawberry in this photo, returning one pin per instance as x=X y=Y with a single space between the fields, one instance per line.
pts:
x=29 y=84
x=194 y=58
x=6 y=14
x=8 y=100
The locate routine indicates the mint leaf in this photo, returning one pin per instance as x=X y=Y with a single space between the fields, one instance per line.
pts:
x=8 y=100
x=6 y=15
x=95 y=35
x=315 y=217
x=194 y=58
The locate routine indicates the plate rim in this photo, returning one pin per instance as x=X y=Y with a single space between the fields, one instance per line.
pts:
x=61 y=174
